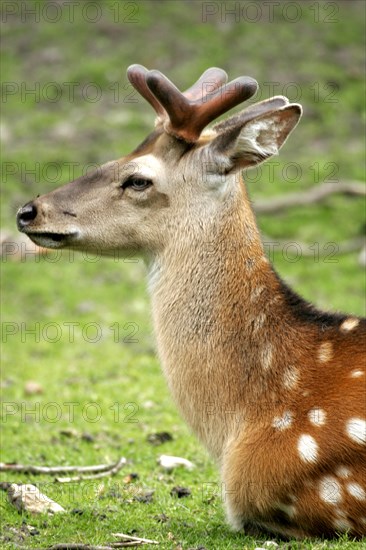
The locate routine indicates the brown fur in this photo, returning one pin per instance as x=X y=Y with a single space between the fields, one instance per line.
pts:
x=268 y=383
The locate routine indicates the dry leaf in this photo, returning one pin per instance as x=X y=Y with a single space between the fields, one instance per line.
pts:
x=130 y=478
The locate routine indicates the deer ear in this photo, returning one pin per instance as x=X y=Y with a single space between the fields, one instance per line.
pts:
x=248 y=140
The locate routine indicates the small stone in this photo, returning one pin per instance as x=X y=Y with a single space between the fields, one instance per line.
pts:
x=87 y=437
x=145 y=496
x=86 y=307
x=171 y=462
x=32 y=388
x=148 y=404
x=77 y=512
x=32 y=530
x=180 y=492
x=159 y=438
x=28 y=498
x=69 y=432
x=161 y=518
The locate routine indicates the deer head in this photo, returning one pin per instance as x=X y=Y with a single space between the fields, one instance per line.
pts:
x=179 y=176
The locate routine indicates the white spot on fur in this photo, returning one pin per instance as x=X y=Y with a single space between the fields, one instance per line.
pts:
x=356 y=491
x=273 y=301
x=308 y=448
x=291 y=378
x=284 y=421
x=349 y=324
x=259 y=321
x=256 y=293
x=266 y=356
x=356 y=430
x=317 y=417
x=342 y=524
x=325 y=352
x=330 y=490
x=343 y=471
x=357 y=373
x=289 y=509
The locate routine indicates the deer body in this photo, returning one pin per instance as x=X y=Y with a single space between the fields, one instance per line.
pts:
x=274 y=389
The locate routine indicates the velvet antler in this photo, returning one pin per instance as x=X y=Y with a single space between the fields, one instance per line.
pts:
x=185 y=115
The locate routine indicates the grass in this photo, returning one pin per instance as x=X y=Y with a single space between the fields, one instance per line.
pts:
x=94 y=391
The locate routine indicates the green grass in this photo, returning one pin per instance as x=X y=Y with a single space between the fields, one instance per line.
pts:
x=118 y=375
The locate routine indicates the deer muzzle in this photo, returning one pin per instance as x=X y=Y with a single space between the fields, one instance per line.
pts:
x=32 y=220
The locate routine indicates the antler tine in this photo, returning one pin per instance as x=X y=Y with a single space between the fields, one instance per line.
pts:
x=186 y=115
x=136 y=74
x=188 y=118
x=176 y=105
x=210 y=80
x=224 y=99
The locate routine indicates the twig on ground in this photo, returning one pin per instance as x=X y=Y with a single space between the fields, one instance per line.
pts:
x=129 y=538
x=111 y=471
x=312 y=195
x=126 y=544
x=30 y=469
x=71 y=546
x=98 y=470
x=129 y=542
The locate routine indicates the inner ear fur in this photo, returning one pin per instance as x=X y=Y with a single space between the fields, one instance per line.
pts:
x=256 y=133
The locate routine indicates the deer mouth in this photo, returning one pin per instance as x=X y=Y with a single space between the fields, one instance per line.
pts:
x=52 y=240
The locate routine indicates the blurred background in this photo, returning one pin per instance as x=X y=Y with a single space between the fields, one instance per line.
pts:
x=67 y=105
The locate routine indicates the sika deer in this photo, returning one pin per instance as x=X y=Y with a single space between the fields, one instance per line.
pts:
x=273 y=387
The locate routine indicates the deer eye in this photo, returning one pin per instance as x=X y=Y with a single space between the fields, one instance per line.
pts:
x=138 y=184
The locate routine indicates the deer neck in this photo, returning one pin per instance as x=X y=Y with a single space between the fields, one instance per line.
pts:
x=206 y=301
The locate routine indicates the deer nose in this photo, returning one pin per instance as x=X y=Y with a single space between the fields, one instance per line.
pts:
x=26 y=215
